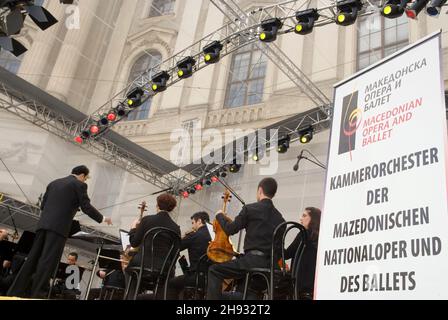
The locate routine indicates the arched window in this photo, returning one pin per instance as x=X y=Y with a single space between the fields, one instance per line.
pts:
x=148 y=61
x=161 y=7
x=246 y=80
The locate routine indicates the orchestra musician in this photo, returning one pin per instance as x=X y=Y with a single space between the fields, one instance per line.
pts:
x=165 y=204
x=61 y=201
x=259 y=220
x=196 y=242
x=310 y=219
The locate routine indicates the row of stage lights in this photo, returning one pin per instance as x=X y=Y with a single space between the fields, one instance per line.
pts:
x=305 y=136
x=346 y=14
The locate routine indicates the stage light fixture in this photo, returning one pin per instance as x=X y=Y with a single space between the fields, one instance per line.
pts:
x=79 y=139
x=104 y=121
x=185 y=194
x=199 y=186
x=94 y=129
x=212 y=52
x=159 y=81
x=111 y=116
x=120 y=110
x=347 y=12
x=134 y=98
x=234 y=167
x=185 y=67
x=393 y=8
x=433 y=9
x=270 y=29
x=192 y=190
x=208 y=182
x=305 y=21
x=11 y=45
x=85 y=134
x=283 y=144
x=257 y=155
x=306 y=135
x=417 y=6
x=215 y=179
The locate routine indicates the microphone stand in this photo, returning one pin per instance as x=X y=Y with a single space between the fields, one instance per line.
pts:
x=315 y=162
x=301 y=156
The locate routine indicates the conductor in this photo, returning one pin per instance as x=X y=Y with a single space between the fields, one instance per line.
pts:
x=60 y=203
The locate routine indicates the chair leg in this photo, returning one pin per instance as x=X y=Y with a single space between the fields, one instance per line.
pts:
x=246 y=285
x=139 y=283
x=112 y=294
x=128 y=286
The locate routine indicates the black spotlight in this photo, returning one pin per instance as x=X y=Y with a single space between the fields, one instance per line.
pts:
x=347 y=12
x=159 y=81
x=306 y=135
x=11 y=45
x=208 y=181
x=134 y=98
x=434 y=8
x=234 y=167
x=120 y=110
x=185 y=67
x=283 y=144
x=393 y=8
x=270 y=28
x=41 y=17
x=305 y=21
x=212 y=52
x=192 y=190
x=415 y=8
x=257 y=155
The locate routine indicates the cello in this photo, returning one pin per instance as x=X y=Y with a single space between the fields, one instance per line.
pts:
x=221 y=249
x=130 y=251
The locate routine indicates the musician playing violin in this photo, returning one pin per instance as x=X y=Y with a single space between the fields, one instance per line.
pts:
x=259 y=220
x=196 y=242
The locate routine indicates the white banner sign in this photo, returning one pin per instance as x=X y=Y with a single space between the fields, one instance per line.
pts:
x=384 y=230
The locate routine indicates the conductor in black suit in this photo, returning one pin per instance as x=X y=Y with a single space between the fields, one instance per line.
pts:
x=60 y=203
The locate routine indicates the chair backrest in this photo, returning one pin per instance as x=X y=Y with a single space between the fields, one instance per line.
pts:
x=278 y=242
x=171 y=241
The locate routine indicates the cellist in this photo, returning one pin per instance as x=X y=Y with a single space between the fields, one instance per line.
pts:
x=259 y=220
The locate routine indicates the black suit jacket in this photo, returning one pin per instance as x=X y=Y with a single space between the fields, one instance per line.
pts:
x=60 y=203
x=161 y=244
x=260 y=220
x=197 y=244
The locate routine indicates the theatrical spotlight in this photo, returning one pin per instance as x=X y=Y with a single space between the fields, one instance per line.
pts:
x=393 y=8
x=234 y=167
x=417 y=6
x=257 y=155
x=347 y=12
x=199 y=186
x=11 y=45
x=212 y=52
x=283 y=144
x=192 y=190
x=159 y=81
x=306 y=19
x=306 y=135
x=185 y=194
x=134 y=98
x=214 y=179
x=208 y=182
x=185 y=67
x=120 y=111
x=270 y=28
x=433 y=9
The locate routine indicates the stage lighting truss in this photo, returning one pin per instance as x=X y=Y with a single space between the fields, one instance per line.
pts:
x=231 y=37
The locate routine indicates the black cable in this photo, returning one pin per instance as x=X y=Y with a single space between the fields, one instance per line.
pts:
x=18 y=185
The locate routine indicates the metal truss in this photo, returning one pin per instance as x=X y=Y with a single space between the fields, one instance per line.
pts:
x=53 y=122
x=29 y=215
x=247 y=145
x=243 y=29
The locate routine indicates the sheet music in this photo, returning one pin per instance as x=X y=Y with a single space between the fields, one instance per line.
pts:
x=210 y=230
x=125 y=243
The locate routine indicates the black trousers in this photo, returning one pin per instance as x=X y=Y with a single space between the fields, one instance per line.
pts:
x=40 y=265
x=235 y=269
x=177 y=284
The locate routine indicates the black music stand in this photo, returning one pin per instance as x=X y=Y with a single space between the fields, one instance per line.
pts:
x=100 y=241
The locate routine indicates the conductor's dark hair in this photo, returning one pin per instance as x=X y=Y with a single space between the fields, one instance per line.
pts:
x=269 y=187
x=74 y=254
x=80 y=170
x=201 y=215
x=166 y=202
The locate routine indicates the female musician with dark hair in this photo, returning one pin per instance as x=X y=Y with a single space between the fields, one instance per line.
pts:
x=310 y=219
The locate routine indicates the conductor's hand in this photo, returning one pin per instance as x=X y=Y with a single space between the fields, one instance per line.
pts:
x=108 y=221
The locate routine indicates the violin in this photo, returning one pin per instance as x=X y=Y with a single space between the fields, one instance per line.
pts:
x=130 y=251
x=221 y=249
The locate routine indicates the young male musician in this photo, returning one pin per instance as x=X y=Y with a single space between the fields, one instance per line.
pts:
x=260 y=220
x=196 y=243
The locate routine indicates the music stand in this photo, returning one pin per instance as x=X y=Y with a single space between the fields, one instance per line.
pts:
x=100 y=241
x=7 y=250
x=25 y=243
